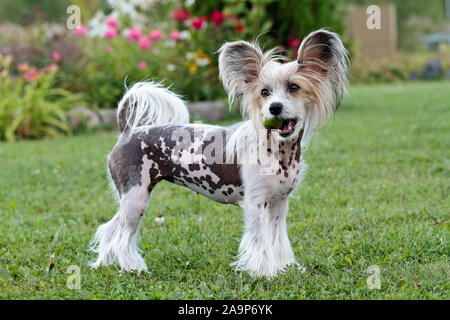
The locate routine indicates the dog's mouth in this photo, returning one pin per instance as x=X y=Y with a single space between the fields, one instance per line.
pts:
x=288 y=127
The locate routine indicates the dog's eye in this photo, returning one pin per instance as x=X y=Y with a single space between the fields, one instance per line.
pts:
x=293 y=87
x=265 y=92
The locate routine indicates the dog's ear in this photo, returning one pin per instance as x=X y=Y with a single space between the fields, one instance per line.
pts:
x=323 y=57
x=239 y=66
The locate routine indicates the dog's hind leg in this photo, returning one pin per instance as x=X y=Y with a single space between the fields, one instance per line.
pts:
x=117 y=240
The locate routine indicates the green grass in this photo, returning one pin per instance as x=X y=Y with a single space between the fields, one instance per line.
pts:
x=376 y=193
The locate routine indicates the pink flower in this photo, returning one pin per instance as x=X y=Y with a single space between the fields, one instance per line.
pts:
x=112 y=22
x=111 y=33
x=144 y=43
x=81 y=30
x=217 y=18
x=56 y=56
x=155 y=35
x=52 y=67
x=198 y=23
x=175 y=35
x=294 y=43
x=31 y=75
x=135 y=33
x=109 y=49
x=180 y=15
x=142 y=65
x=294 y=53
x=23 y=67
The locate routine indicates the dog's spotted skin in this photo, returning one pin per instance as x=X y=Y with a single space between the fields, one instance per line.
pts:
x=152 y=153
x=154 y=150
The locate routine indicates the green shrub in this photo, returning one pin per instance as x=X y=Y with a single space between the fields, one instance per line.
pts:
x=30 y=107
x=397 y=68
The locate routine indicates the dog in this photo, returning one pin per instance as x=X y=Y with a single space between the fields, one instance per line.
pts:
x=157 y=142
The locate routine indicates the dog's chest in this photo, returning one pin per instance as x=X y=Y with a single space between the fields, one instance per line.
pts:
x=285 y=171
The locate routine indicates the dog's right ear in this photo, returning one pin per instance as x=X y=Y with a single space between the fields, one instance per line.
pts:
x=239 y=66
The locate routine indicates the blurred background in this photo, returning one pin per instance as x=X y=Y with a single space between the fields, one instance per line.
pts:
x=64 y=64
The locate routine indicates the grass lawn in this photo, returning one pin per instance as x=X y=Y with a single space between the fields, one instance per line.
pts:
x=376 y=193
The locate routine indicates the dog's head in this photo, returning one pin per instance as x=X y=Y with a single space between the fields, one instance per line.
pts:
x=300 y=94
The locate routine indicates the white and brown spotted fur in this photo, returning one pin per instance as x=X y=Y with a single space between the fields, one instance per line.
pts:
x=303 y=93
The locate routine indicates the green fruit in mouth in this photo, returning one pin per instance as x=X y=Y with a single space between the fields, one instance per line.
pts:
x=273 y=123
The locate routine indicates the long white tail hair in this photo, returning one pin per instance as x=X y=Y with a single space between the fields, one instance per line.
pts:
x=148 y=104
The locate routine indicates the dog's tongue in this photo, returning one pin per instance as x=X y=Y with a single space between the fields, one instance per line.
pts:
x=287 y=127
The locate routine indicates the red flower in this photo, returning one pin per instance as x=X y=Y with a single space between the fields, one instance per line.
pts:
x=198 y=22
x=240 y=28
x=180 y=15
x=294 y=43
x=217 y=18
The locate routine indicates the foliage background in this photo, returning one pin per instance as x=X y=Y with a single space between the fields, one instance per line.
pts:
x=97 y=69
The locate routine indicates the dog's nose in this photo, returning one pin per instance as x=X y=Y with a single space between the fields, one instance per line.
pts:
x=275 y=108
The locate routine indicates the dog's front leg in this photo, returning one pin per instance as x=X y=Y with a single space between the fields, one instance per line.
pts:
x=265 y=248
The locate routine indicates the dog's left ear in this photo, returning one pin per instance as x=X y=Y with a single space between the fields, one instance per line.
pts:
x=322 y=57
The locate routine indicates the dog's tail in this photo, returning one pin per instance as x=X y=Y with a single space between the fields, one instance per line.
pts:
x=149 y=104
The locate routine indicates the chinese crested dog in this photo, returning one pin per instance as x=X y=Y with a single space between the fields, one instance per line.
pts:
x=245 y=164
